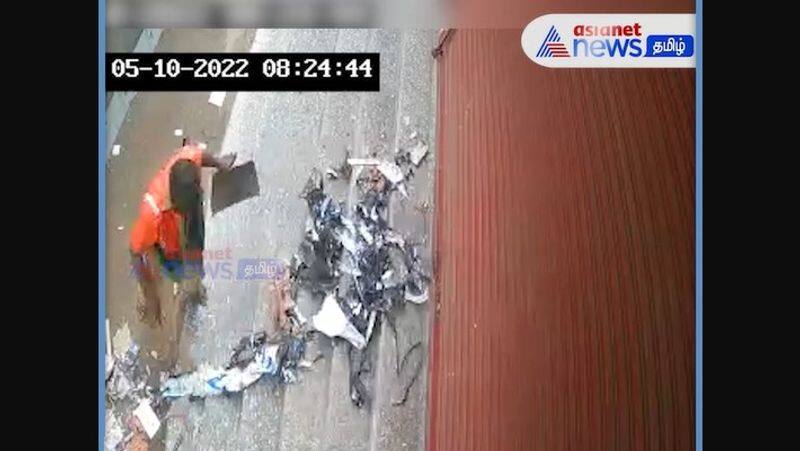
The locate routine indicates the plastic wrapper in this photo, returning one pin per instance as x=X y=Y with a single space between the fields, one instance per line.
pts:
x=331 y=321
x=208 y=381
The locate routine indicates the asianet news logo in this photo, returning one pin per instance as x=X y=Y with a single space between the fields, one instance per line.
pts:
x=611 y=40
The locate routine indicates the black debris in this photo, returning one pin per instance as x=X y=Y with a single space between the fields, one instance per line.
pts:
x=356 y=255
x=409 y=372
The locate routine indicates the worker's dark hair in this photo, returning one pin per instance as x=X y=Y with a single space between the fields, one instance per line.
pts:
x=184 y=186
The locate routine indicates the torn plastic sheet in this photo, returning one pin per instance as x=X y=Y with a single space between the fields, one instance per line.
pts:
x=200 y=384
x=349 y=243
x=402 y=188
x=418 y=152
x=301 y=320
x=235 y=379
x=371 y=266
x=114 y=431
x=247 y=349
x=348 y=266
x=311 y=231
x=390 y=236
x=125 y=379
x=417 y=297
x=331 y=321
x=120 y=385
x=389 y=279
x=350 y=226
x=365 y=233
x=208 y=381
x=323 y=207
x=391 y=171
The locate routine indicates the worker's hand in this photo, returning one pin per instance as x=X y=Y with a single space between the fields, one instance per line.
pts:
x=222 y=163
x=225 y=162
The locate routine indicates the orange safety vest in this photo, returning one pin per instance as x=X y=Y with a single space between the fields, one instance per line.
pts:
x=158 y=224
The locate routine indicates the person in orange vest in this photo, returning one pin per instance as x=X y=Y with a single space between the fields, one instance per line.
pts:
x=169 y=233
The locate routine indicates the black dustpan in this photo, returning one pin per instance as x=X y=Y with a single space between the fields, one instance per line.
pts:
x=233 y=186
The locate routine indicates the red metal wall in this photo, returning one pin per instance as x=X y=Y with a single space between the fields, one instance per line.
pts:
x=564 y=254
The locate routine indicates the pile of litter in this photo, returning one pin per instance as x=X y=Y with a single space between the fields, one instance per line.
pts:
x=133 y=407
x=356 y=261
x=351 y=258
x=136 y=409
x=276 y=356
x=254 y=357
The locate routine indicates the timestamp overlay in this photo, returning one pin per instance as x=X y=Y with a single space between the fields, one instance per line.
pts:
x=242 y=72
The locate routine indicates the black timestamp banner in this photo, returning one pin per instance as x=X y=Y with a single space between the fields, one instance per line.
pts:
x=242 y=71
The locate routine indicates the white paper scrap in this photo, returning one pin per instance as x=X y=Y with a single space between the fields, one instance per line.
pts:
x=217 y=98
x=148 y=418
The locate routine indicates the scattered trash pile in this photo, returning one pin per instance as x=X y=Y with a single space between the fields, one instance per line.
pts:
x=133 y=406
x=357 y=262
x=135 y=409
x=255 y=356
x=351 y=258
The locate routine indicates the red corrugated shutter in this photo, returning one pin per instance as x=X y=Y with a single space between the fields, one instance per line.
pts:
x=564 y=254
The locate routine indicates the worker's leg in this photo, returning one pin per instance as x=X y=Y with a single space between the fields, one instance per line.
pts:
x=148 y=307
x=178 y=273
x=148 y=300
x=175 y=339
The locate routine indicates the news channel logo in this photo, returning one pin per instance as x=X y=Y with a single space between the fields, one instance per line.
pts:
x=260 y=268
x=611 y=40
x=225 y=269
